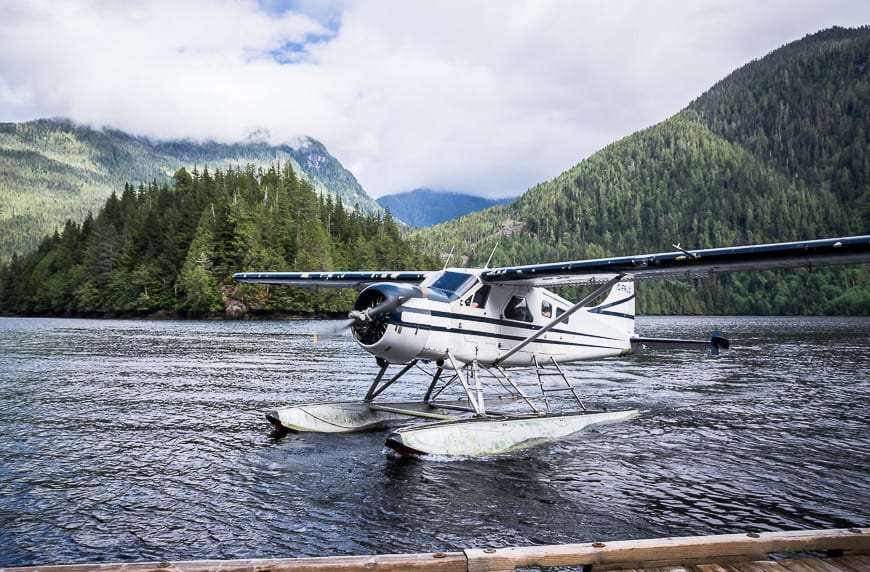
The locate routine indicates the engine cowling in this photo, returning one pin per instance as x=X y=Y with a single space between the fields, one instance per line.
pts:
x=378 y=325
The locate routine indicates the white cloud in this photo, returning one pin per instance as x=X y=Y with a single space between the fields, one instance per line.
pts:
x=488 y=97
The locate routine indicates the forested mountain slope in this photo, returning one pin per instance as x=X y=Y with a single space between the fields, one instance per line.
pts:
x=162 y=248
x=54 y=170
x=776 y=151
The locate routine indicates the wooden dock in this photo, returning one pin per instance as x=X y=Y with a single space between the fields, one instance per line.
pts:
x=840 y=550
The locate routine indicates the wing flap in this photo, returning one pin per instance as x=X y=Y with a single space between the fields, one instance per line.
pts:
x=685 y=264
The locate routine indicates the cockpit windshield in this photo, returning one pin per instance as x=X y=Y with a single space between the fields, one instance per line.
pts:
x=453 y=284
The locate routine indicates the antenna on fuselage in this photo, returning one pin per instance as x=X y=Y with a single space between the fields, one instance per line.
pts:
x=449 y=256
x=491 y=254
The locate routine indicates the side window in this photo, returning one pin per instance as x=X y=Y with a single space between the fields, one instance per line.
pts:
x=546 y=309
x=518 y=309
x=479 y=299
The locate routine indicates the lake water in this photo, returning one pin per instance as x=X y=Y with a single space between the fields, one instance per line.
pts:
x=145 y=440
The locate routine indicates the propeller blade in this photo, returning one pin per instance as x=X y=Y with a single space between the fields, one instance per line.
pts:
x=362 y=316
x=336 y=328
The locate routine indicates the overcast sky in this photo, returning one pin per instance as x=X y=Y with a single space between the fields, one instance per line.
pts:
x=485 y=97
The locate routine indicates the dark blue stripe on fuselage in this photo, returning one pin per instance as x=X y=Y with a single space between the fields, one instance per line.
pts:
x=395 y=318
x=496 y=322
x=602 y=310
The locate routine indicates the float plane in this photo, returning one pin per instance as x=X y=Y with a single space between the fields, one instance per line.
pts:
x=475 y=329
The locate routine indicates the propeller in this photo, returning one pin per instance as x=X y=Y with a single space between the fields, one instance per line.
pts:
x=370 y=324
x=368 y=319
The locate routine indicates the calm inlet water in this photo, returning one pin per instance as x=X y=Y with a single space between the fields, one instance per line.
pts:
x=145 y=440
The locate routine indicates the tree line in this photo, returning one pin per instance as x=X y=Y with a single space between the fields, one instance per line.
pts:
x=175 y=248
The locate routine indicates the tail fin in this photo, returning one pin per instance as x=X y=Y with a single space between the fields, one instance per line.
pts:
x=618 y=308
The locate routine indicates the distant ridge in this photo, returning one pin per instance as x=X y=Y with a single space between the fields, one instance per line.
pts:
x=52 y=170
x=425 y=207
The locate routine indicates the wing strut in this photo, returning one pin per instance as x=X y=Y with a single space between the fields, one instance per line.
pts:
x=561 y=318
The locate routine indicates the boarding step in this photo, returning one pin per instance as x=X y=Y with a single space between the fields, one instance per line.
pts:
x=542 y=373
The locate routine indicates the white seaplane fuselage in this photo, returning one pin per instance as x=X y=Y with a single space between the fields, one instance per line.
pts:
x=458 y=316
x=454 y=319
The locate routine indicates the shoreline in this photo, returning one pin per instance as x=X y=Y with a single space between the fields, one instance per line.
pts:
x=180 y=315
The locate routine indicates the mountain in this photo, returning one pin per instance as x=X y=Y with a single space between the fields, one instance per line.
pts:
x=52 y=170
x=308 y=157
x=424 y=207
x=776 y=151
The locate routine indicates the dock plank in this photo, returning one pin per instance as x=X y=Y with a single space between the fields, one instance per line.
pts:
x=672 y=551
x=854 y=563
x=716 y=567
x=439 y=562
x=807 y=565
x=759 y=566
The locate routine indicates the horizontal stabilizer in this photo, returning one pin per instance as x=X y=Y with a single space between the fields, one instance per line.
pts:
x=714 y=344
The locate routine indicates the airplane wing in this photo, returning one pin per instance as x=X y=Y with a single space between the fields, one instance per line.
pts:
x=329 y=279
x=679 y=264
x=682 y=264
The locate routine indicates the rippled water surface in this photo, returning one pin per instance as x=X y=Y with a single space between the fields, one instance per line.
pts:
x=145 y=440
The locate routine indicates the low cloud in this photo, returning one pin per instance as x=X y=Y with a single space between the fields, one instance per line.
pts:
x=482 y=97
